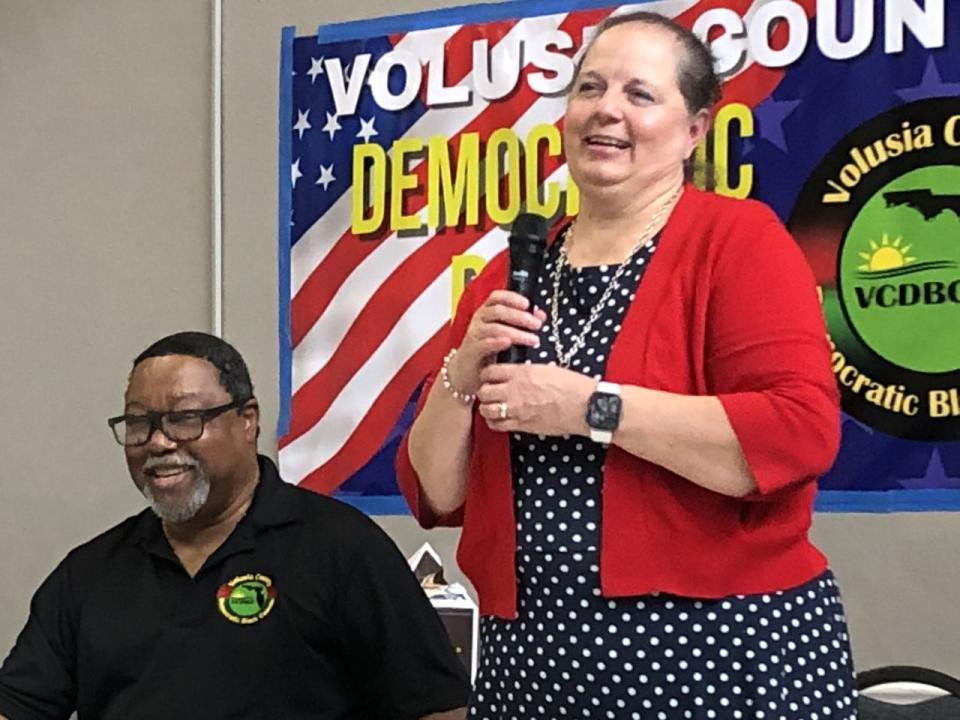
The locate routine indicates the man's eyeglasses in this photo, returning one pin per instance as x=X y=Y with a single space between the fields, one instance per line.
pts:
x=178 y=425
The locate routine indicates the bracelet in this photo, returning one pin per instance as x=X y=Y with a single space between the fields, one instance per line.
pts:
x=465 y=398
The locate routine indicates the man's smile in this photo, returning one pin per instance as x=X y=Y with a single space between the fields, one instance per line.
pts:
x=167 y=476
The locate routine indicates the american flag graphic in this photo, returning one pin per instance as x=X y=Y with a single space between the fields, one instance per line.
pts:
x=364 y=315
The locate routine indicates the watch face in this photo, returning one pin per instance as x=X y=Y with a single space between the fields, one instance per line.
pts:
x=603 y=411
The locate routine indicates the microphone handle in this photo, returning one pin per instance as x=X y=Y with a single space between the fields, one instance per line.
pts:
x=514 y=354
x=517 y=353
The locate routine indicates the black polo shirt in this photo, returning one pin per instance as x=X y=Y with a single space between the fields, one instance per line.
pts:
x=307 y=610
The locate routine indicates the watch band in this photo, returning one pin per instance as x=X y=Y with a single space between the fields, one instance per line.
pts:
x=608 y=387
x=604 y=436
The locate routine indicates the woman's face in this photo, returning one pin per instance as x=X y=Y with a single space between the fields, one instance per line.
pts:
x=627 y=125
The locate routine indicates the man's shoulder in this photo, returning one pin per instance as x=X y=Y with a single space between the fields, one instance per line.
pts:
x=328 y=515
x=319 y=526
x=335 y=535
x=108 y=543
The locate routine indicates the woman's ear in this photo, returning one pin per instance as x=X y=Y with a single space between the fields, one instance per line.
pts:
x=698 y=126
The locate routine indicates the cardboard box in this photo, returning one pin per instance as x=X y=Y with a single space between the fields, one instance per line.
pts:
x=456 y=608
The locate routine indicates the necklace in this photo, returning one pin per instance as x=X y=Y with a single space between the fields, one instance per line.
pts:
x=565 y=356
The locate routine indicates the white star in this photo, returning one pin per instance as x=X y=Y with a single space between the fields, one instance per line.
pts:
x=326 y=176
x=302 y=124
x=316 y=68
x=295 y=172
x=367 y=130
x=332 y=125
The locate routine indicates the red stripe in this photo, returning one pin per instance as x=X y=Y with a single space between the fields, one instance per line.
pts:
x=325 y=279
x=751 y=86
x=372 y=431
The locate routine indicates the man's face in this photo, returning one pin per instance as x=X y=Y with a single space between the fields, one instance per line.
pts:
x=196 y=478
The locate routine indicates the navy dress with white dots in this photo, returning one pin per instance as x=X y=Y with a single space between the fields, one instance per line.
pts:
x=571 y=653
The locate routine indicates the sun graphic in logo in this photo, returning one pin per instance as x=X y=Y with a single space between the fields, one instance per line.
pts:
x=886 y=256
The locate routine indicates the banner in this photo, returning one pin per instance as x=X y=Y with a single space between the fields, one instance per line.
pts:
x=408 y=144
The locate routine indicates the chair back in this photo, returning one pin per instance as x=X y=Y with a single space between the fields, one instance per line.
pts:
x=908 y=692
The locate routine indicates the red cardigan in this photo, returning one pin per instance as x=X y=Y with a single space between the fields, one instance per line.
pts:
x=727 y=307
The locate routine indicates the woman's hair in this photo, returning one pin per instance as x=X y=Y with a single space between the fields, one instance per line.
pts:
x=696 y=77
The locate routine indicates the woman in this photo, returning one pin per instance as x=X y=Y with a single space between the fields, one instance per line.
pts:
x=635 y=500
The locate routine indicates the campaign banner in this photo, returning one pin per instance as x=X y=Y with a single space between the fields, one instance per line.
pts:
x=408 y=144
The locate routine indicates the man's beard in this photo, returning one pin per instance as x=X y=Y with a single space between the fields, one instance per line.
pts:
x=173 y=510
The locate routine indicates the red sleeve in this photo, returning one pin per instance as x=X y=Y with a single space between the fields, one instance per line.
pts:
x=473 y=296
x=768 y=358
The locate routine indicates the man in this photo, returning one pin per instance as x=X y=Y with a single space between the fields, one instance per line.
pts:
x=237 y=596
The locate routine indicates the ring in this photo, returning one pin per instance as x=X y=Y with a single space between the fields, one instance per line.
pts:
x=503 y=411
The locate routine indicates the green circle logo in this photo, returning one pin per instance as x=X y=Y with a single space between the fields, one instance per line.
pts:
x=247 y=598
x=898 y=270
x=879 y=222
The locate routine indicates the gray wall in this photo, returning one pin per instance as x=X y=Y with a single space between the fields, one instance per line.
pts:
x=104 y=218
x=104 y=206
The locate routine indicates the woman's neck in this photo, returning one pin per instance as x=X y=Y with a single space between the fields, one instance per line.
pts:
x=605 y=231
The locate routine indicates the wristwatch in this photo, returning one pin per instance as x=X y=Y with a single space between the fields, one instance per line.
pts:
x=603 y=412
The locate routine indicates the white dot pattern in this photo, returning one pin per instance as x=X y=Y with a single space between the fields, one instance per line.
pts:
x=572 y=653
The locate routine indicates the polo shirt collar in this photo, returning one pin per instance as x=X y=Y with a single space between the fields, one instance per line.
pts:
x=274 y=504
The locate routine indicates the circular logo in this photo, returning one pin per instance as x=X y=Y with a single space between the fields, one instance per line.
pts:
x=247 y=598
x=898 y=271
x=879 y=221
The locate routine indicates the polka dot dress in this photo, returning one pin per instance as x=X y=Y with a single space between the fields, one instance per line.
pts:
x=574 y=654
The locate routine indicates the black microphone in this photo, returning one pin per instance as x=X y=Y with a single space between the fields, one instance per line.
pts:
x=527 y=241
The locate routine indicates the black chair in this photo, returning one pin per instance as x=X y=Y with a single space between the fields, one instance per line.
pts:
x=941 y=691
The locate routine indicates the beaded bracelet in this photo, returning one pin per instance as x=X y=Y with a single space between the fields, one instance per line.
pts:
x=465 y=398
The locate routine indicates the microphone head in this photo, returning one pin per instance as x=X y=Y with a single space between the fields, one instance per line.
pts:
x=527 y=241
x=529 y=226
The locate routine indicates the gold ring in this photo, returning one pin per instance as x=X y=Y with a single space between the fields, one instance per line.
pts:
x=503 y=411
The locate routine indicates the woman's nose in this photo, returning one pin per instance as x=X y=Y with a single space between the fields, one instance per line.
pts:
x=609 y=107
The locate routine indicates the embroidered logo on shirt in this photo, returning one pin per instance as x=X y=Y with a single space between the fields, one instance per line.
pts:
x=246 y=599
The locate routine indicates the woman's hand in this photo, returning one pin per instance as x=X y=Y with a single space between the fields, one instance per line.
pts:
x=539 y=399
x=503 y=320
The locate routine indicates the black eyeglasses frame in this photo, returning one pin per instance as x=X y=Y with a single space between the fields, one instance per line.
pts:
x=156 y=418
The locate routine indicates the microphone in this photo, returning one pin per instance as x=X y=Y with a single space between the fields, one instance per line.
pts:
x=527 y=242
